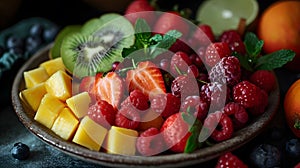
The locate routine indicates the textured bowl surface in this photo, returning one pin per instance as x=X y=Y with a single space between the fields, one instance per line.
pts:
x=168 y=160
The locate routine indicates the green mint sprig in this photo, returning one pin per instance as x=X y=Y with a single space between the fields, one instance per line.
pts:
x=253 y=60
x=148 y=46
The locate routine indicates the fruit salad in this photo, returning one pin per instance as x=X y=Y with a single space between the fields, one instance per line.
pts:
x=134 y=85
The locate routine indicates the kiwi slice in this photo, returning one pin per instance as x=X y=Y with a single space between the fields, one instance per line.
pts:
x=55 y=50
x=97 y=46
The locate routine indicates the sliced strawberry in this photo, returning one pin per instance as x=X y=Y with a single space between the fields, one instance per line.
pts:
x=109 y=88
x=146 y=78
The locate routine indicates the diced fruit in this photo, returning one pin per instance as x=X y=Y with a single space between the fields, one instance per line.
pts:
x=35 y=76
x=147 y=78
x=150 y=119
x=33 y=96
x=109 y=88
x=48 y=110
x=53 y=65
x=59 y=85
x=121 y=141
x=90 y=134
x=79 y=104
x=65 y=124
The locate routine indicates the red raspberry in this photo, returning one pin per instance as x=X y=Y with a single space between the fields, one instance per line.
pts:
x=180 y=45
x=264 y=79
x=196 y=60
x=219 y=125
x=102 y=113
x=193 y=71
x=195 y=105
x=183 y=86
x=229 y=160
x=237 y=113
x=234 y=40
x=227 y=71
x=127 y=117
x=215 y=94
x=137 y=100
x=262 y=103
x=180 y=62
x=215 y=52
x=165 y=104
x=247 y=94
x=150 y=142
x=204 y=35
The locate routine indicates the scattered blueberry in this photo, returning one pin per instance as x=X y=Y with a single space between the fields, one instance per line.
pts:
x=50 y=34
x=14 y=42
x=265 y=156
x=36 y=30
x=292 y=147
x=33 y=43
x=20 y=151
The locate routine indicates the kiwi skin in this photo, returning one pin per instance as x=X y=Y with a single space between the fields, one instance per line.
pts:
x=54 y=51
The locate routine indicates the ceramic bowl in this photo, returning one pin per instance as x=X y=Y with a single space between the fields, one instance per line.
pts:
x=239 y=138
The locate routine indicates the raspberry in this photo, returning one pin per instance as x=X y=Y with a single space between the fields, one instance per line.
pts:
x=127 y=118
x=180 y=45
x=204 y=35
x=246 y=94
x=165 y=104
x=137 y=100
x=219 y=125
x=234 y=40
x=193 y=71
x=183 y=86
x=229 y=160
x=196 y=60
x=237 y=113
x=102 y=113
x=196 y=106
x=180 y=62
x=215 y=52
x=215 y=94
x=150 y=142
x=262 y=103
x=227 y=71
x=264 y=79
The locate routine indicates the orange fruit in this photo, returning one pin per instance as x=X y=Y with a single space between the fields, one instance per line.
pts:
x=279 y=28
x=292 y=107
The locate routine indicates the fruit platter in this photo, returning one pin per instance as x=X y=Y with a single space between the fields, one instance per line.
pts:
x=147 y=89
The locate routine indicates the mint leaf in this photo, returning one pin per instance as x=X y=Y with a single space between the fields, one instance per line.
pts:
x=244 y=61
x=142 y=32
x=275 y=60
x=253 y=44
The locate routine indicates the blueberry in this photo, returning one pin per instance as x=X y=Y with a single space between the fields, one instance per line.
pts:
x=33 y=43
x=14 y=41
x=36 y=30
x=292 y=148
x=50 y=34
x=265 y=156
x=20 y=151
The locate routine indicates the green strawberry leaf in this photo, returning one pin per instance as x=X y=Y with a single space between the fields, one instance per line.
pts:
x=253 y=44
x=275 y=60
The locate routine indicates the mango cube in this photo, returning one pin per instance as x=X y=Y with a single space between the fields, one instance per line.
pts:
x=53 y=65
x=35 y=76
x=48 y=110
x=33 y=96
x=121 y=141
x=79 y=104
x=90 y=134
x=65 y=124
x=59 y=85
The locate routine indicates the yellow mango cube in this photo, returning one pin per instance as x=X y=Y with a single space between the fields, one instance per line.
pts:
x=65 y=124
x=48 y=110
x=79 y=104
x=90 y=134
x=35 y=76
x=121 y=141
x=33 y=96
x=59 y=85
x=53 y=65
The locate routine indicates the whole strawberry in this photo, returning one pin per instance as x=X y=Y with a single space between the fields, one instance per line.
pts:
x=229 y=160
x=264 y=79
x=150 y=142
x=180 y=132
x=102 y=113
x=215 y=52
